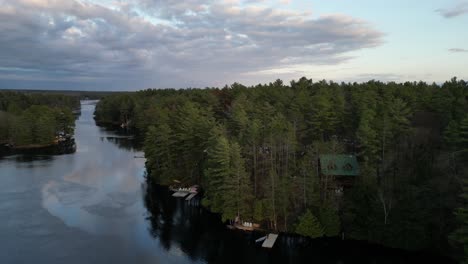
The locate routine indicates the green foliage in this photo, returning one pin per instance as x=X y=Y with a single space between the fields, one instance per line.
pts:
x=35 y=119
x=452 y=135
x=309 y=226
x=158 y=145
x=255 y=150
x=258 y=214
x=463 y=135
x=330 y=220
x=460 y=235
x=367 y=136
x=237 y=190
x=217 y=172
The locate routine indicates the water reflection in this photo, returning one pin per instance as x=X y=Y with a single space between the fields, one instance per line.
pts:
x=123 y=142
x=201 y=236
x=100 y=193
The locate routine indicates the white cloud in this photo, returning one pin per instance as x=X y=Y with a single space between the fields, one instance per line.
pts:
x=458 y=50
x=168 y=42
x=454 y=11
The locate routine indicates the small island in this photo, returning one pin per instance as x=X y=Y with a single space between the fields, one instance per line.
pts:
x=34 y=121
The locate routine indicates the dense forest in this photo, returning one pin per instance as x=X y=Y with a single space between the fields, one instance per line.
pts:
x=256 y=151
x=35 y=120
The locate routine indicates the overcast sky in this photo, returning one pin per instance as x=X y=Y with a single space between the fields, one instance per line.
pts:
x=138 y=44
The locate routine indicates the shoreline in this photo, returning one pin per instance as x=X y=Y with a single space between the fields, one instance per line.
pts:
x=262 y=230
x=62 y=147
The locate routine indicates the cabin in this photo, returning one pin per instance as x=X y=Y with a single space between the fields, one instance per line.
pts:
x=338 y=171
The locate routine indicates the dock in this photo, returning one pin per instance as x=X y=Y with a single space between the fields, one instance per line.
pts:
x=270 y=241
x=180 y=194
x=190 y=196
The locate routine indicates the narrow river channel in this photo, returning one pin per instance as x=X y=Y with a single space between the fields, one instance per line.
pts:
x=93 y=206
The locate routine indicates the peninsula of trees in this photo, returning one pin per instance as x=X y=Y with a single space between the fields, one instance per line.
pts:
x=32 y=120
x=256 y=151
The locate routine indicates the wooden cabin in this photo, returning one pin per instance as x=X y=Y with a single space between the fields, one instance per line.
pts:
x=338 y=172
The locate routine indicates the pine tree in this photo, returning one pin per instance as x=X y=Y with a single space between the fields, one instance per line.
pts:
x=309 y=226
x=237 y=190
x=452 y=135
x=45 y=129
x=460 y=235
x=324 y=117
x=159 y=153
x=218 y=169
x=330 y=220
x=21 y=131
x=463 y=136
x=367 y=136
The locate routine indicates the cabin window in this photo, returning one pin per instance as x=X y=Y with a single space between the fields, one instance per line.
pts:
x=347 y=167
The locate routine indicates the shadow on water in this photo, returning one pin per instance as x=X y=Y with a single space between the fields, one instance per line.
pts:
x=30 y=158
x=202 y=236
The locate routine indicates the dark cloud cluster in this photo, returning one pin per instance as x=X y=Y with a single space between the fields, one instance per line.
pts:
x=458 y=50
x=165 y=43
x=454 y=11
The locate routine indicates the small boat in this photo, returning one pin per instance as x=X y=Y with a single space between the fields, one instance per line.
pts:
x=260 y=239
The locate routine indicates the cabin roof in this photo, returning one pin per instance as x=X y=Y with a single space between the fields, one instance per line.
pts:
x=339 y=165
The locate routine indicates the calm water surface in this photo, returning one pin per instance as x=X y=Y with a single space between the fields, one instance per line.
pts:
x=93 y=206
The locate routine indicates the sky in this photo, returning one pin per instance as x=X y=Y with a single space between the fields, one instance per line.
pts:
x=139 y=44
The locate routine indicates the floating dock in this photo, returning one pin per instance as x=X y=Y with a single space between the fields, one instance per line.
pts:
x=180 y=194
x=270 y=241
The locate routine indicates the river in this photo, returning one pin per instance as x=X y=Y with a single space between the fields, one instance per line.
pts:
x=93 y=206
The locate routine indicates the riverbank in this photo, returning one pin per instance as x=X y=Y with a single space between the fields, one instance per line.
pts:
x=203 y=227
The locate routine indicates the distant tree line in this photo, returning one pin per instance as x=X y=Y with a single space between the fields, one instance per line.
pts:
x=82 y=95
x=35 y=119
x=255 y=151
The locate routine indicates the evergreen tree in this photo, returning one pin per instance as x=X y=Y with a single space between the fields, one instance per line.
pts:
x=460 y=235
x=218 y=169
x=330 y=220
x=367 y=136
x=158 y=149
x=45 y=129
x=463 y=136
x=276 y=132
x=452 y=135
x=237 y=190
x=309 y=226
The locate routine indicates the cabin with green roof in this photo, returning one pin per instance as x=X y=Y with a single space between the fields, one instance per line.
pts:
x=339 y=165
x=338 y=171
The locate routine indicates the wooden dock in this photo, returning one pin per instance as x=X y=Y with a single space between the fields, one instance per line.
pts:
x=190 y=196
x=180 y=194
x=241 y=227
x=270 y=241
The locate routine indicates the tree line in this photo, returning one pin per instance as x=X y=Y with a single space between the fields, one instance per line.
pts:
x=255 y=150
x=28 y=120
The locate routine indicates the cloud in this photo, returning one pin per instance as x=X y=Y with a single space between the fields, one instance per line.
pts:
x=457 y=10
x=166 y=43
x=458 y=50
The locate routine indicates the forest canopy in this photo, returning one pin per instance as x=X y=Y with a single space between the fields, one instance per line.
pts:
x=35 y=119
x=255 y=151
